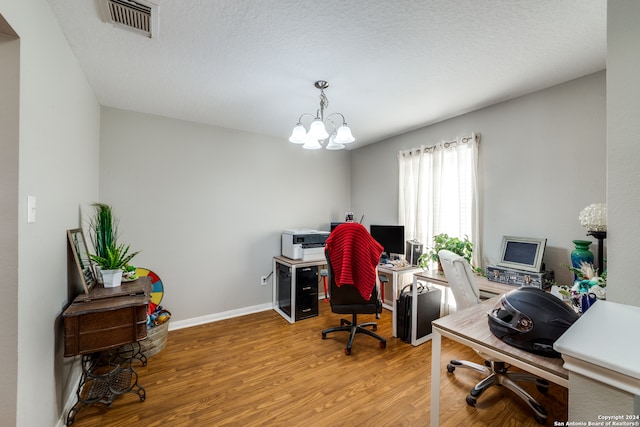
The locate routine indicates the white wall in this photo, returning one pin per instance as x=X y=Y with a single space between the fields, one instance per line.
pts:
x=207 y=205
x=623 y=149
x=623 y=199
x=542 y=159
x=58 y=131
x=9 y=105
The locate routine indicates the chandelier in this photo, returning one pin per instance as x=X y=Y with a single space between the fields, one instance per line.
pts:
x=311 y=140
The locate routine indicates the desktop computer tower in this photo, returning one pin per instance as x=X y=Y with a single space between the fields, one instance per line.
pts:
x=413 y=251
x=428 y=311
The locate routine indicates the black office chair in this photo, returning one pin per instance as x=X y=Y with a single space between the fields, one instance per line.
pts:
x=466 y=293
x=347 y=299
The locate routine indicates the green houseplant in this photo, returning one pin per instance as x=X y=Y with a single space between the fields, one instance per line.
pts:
x=110 y=256
x=117 y=257
x=112 y=265
x=103 y=229
x=462 y=247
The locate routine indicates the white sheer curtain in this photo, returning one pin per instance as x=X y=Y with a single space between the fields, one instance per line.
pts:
x=439 y=191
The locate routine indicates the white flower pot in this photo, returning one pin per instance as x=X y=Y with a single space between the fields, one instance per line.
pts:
x=112 y=278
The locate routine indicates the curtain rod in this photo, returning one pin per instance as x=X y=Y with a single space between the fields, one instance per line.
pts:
x=445 y=144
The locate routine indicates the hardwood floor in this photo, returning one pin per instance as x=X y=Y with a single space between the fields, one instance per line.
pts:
x=258 y=370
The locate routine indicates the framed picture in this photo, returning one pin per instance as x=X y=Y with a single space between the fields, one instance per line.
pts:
x=81 y=257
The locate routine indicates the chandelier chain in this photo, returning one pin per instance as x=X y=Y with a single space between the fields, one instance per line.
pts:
x=324 y=103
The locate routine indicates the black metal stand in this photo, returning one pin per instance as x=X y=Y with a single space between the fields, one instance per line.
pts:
x=107 y=375
x=600 y=236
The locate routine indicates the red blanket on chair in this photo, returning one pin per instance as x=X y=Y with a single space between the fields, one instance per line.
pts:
x=354 y=256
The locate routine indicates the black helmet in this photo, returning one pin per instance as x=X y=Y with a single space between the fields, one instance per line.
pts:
x=531 y=319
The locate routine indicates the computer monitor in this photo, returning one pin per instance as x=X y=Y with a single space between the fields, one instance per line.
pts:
x=335 y=224
x=522 y=253
x=391 y=237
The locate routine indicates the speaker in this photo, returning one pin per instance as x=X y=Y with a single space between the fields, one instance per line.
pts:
x=413 y=252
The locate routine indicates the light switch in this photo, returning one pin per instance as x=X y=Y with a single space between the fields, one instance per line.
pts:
x=31 y=209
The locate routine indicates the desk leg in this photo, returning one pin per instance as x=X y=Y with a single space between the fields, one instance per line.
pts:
x=414 y=312
x=436 y=349
x=394 y=304
x=395 y=277
x=445 y=309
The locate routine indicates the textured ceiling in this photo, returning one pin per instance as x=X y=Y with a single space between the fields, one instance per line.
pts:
x=392 y=66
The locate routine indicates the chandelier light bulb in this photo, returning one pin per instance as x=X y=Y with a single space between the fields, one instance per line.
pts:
x=317 y=130
x=332 y=145
x=344 y=135
x=311 y=144
x=298 y=135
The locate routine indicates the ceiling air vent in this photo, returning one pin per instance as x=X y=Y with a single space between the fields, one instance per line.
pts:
x=138 y=16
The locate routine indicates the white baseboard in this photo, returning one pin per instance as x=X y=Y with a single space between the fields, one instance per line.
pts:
x=209 y=318
x=71 y=398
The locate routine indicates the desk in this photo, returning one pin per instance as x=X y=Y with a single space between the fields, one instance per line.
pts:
x=471 y=328
x=602 y=361
x=295 y=287
x=398 y=280
x=487 y=289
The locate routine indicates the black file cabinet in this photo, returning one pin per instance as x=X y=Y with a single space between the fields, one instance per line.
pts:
x=296 y=288
x=306 y=292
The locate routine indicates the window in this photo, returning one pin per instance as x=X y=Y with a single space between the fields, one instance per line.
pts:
x=439 y=192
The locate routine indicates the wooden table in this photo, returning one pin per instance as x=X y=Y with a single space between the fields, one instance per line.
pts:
x=485 y=285
x=97 y=326
x=471 y=328
x=398 y=276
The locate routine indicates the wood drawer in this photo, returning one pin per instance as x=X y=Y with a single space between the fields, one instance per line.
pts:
x=107 y=318
x=102 y=330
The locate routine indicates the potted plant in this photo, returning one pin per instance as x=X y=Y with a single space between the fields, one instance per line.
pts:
x=129 y=272
x=462 y=247
x=109 y=255
x=111 y=265
x=103 y=229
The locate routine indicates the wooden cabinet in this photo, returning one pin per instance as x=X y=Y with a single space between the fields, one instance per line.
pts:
x=97 y=326
x=104 y=325
x=107 y=318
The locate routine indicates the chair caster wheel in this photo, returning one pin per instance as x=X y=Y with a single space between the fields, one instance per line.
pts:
x=347 y=351
x=543 y=388
x=539 y=419
x=450 y=368
x=383 y=344
x=374 y=328
x=471 y=401
x=324 y=336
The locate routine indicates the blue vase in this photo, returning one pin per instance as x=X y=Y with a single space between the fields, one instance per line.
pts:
x=581 y=254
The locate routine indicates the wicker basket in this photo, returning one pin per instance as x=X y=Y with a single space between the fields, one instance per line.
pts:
x=156 y=339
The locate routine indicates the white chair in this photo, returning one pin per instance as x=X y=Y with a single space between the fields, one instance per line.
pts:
x=466 y=293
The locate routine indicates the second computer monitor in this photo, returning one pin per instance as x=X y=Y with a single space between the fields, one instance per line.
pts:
x=391 y=237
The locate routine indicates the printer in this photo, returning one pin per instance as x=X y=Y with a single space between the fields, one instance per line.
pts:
x=304 y=244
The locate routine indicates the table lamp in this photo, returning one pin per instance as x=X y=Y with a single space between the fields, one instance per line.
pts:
x=594 y=219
